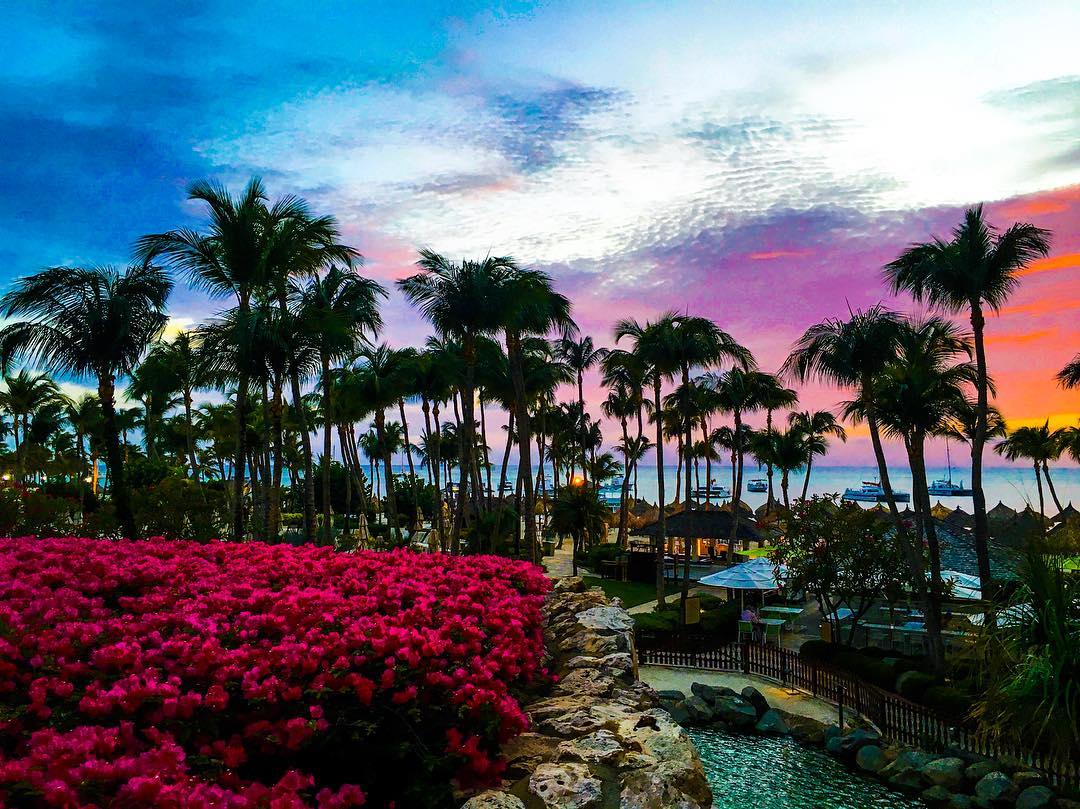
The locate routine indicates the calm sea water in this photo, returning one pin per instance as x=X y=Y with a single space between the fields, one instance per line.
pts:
x=1014 y=486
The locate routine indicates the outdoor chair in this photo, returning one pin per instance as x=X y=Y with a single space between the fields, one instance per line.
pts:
x=772 y=632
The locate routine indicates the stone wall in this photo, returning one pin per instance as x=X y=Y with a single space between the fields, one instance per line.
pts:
x=600 y=740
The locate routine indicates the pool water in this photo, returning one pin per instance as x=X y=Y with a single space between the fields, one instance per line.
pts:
x=767 y=772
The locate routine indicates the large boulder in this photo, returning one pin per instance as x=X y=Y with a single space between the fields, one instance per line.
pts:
x=592 y=682
x=671 y=696
x=599 y=747
x=870 y=758
x=705 y=691
x=850 y=743
x=1028 y=778
x=945 y=772
x=755 y=698
x=736 y=712
x=698 y=709
x=611 y=620
x=996 y=789
x=976 y=771
x=526 y=751
x=565 y=786
x=493 y=799
x=1035 y=797
x=569 y=584
x=665 y=786
x=907 y=780
x=936 y=795
x=960 y=801
x=772 y=723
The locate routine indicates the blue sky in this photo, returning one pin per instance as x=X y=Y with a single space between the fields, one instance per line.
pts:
x=648 y=155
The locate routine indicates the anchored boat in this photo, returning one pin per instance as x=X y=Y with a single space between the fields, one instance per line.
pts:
x=872 y=491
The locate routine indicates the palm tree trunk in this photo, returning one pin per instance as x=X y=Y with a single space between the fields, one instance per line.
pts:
x=736 y=494
x=661 y=536
x=308 y=500
x=624 y=492
x=328 y=425
x=391 y=500
x=412 y=469
x=769 y=466
x=584 y=423
x=879 y=451
x=241 y=425
x=688 y=444
x=932 y=599
x=806 y=479
x=277 y=408
x=1038 y=484
x=506 y=451
x=784 y=480
x=1050 y=484
x=189 y=435
x=484 y=452
x=978 y=497
x=436 y=445
x=115 y=458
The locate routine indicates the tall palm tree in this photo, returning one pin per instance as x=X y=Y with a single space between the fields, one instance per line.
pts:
x=621 y=406
x=773 y=395
x=182 y=357
x=89 y=322
x=850 y=354
x=1040 y=445
x=818 y=426
x=788 y=450
x=977 y=269
x=24 y=395
x=581 y=355
x=338 y=311
x=462 y=301
x=918 y=396
x=652 y=344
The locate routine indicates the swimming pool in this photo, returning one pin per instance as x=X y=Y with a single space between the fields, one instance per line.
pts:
x=769 y=772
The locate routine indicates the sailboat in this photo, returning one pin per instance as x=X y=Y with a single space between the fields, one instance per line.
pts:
x=944 y=487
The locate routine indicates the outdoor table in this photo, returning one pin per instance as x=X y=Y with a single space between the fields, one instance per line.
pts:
x=784 y=610
x=748 y=626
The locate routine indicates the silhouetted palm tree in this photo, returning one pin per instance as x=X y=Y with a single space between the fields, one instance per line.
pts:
x=817 y=426
x=89 y=322
x=977 y=269
x=1040 y=445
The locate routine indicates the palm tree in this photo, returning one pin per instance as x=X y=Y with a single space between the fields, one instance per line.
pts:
x=581 y=355
x=789 y=451
x=578 y=513
x=652 y=346
x=977 y=269
x=25 y=395
x=338 y=311
x=918 y=396
x=621 y=405
x=461 y=301
x=817 y=427
x=851 y=353
x=89 y=322
x=182 y=357
x=773 y=395
x=1040 y=445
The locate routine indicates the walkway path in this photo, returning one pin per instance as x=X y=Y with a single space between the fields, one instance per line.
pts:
x=671 y=679
x=561 y=564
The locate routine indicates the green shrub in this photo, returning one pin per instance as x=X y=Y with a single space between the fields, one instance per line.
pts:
x=720 y=620
x=913 y=684
x=947 y=700
x=820 y=651
x=604 y=552
x=664 y=622
x=869 y=669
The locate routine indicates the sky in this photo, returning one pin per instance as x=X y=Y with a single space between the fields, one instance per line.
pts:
x=756 y=163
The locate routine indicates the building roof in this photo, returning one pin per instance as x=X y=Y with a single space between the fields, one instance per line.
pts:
x=1000 y=512
x=1066 y=513
x=958 y=553
x=959 y=518
x=701 y=525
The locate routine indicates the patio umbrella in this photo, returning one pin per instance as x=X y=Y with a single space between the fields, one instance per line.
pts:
x=757 y=574
x=964 y=585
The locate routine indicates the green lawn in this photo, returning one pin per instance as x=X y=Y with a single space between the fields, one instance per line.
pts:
x=632 y=593
x=754 y=553
x=1073 y=563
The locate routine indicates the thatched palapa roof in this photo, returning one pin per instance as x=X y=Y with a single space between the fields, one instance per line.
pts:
x=702 y=525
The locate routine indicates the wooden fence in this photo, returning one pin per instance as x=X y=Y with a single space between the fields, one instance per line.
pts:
x=896 y=718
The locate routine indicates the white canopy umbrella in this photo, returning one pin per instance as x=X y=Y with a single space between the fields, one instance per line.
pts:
x=1016 y=615
x=757 y=574
x=964 y=585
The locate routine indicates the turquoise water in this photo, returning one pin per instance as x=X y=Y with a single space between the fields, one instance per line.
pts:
x=765 y=772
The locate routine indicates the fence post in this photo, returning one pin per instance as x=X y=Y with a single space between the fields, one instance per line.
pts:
x=746 y=657
x=840 y=703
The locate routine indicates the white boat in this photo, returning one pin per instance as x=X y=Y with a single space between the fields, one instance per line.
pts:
x=758 y=485
x=872 y=491
x=713 y=492
x=944 y=487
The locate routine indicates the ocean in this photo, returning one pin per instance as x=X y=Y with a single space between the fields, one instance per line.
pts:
x=1013 y=486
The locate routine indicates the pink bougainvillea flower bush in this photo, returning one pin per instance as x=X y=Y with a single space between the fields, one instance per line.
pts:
x=179 y=674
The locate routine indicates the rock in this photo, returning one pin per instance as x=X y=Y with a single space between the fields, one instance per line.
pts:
x=997 y=789
x=1010 y=764
x=832 y=745
x=493 y=799
x=526 y=751
x=665 y=786
x=698 y=709
x=870 y=758
x=612 y=620
x=586 y=681
x=1028 y=778
x=755 y=698
x=706 y=692
x=600 y=747
x=945 y=772
x=679 y=713
x=975 y=772
x=936 y=795
x=583 y=662
x=569 y=584
x=1035 y=797
x=772 y=723
x=832 y=731
x=916 y=759
x=857 y=739
x=672 y=696
x=565 y=786
x=736 y=712
x=571 y=725
x=907 y=780
x=1065 y=803
x=617 y=661
x=959 y=801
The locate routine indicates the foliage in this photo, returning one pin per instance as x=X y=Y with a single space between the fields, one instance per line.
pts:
x=842 y=554
x=256 y=675
x=143 y=472
x=178 y=507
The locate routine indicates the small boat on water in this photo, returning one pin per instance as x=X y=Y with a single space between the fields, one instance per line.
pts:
x=872 y=491
x=758 y=485
x=713 y=492
x=944 y=487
